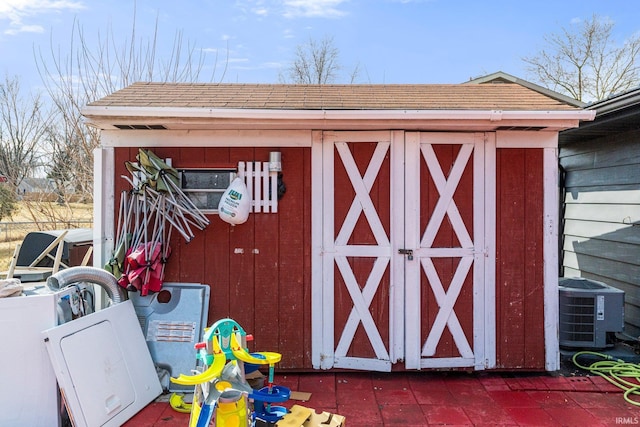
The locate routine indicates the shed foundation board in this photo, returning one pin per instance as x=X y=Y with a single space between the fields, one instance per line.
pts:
x=103 y=366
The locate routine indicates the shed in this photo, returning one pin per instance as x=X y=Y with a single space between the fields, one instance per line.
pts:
x=600 y=163
x=418 y=229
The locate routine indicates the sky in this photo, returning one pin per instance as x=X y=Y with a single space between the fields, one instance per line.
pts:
x=254 y=41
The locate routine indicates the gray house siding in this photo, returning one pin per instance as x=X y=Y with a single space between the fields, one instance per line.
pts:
x=601 y=218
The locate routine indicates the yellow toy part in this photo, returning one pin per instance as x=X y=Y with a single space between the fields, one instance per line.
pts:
x=178 y=404
x=232 y=412
x=212 y=372
x=270 y=357
x=196 y=406
x=240 y=353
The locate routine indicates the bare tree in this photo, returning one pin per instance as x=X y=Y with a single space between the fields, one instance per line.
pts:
x=64 y=159
x=586 y=63
x=23 y=129
x=87 y=72
x=316 y=62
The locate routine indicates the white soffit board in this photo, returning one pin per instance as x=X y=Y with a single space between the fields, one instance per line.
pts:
x=103 y=366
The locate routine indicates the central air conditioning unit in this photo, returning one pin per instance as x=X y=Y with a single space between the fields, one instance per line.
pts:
x=590 y=313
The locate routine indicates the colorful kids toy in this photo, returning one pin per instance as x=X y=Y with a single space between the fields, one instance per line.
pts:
x=221 y=390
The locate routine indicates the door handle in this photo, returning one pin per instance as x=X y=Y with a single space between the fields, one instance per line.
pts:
x=407 y=252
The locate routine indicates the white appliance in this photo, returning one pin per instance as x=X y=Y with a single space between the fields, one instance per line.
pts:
x=103 y=366
x=28 y=389
x=100 y=360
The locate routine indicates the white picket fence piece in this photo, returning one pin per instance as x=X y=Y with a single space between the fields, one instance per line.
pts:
x=262 y=185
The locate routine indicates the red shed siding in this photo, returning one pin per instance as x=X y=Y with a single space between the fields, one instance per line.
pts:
x=519 y=260
x=266 y=288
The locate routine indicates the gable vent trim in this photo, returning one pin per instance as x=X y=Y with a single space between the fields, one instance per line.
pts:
x=527 y=128
x=141 y=127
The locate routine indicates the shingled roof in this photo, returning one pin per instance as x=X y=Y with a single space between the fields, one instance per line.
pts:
x=505 y=96
x=208 y=106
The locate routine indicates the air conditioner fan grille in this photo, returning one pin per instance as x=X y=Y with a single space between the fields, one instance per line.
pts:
x=576 y=320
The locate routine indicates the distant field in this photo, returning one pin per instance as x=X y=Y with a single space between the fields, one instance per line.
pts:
x=35 y=217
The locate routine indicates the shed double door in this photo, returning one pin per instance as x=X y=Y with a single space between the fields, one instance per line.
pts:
x=399 y=273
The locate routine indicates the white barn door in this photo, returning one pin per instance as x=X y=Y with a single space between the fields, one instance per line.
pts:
x=445 y=229
x=378 y=259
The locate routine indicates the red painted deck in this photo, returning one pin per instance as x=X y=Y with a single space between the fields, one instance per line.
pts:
x=424 y=399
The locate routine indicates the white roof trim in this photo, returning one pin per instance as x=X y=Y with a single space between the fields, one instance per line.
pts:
x=494 y=79
x=242 y=113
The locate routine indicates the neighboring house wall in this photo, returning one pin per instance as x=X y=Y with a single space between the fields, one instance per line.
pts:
x=601 y=238
x=34 y=185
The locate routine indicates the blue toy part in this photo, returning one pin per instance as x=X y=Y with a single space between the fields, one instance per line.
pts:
x=276 y=394
x=272 y=415
x=263 y=399
x=251 y=367
x=206 y=414
x=204 y=357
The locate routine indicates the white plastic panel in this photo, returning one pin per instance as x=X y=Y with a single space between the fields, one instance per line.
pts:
x=103 y=366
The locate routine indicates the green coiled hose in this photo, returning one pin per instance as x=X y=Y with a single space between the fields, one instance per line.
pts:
x=616 y=371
